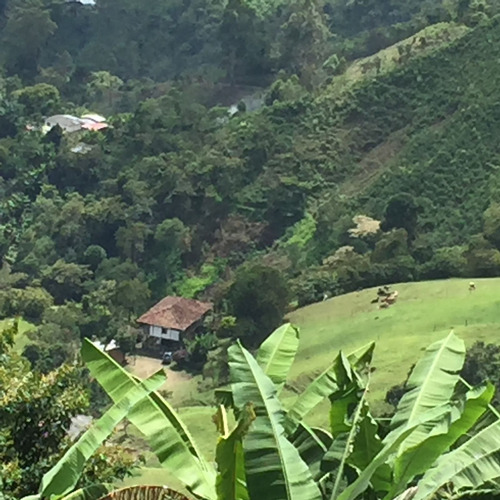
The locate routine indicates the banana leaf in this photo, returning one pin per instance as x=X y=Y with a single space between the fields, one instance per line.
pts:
x=312 y=444
x=363 y=482
x=347 y=445
x=450 y=427
x=472 y=465
x=277 y=352
x=62 y=478
x=323 y=386
x=432 y=384
x=273 y=466
x=231 y=480
x=166 y=434
x=367 y=444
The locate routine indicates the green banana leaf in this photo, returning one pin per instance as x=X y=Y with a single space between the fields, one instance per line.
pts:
x=231 y=480
x=323 y=386
x=367 y=444
x=62 y=478
x=470 y=466
x=312 y=444
x=165 y=433
x=347 y=443
x=454 y=424
x=277 y=352
x=362 y=483
x=432 y=384
x=345 y=399
x=273 y=466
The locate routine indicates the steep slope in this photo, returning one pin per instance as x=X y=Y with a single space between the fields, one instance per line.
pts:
x=443 y=109
x=427 y=125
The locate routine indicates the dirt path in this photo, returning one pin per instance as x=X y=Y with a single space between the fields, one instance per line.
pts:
x=181 y=385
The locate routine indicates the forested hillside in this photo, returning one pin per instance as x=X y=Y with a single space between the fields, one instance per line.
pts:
x=351 y=172
x=256 y=154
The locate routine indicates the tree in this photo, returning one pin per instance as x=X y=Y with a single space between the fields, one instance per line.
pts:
x=35 y=413
x=65 y=281
x=390 y=246
x=23 y=43
x=258 y=298
x=131 y=240
x=171 y=242
x=242 y=40
x=483 y=260
x=447 y=262
x=304 y=39
x=482 y=364
x=93 y=256
x=491 y=220
x=104 y=86
x=40 y=100
x=401 y=212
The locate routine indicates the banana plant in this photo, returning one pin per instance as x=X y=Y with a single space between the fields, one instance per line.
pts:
x=447 y=415
x=166 y=434
x=283 y=456
x=273 y=466
x=272 y=453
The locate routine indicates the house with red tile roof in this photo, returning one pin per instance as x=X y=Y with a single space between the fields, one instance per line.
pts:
x=173 y=320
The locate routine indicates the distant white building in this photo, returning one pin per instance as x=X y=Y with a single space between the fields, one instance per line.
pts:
x=113 y=350
x=91 y=3
x=68 y=123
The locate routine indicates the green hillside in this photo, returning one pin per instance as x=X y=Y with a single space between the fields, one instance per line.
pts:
x=259 y=155
x=424 y=312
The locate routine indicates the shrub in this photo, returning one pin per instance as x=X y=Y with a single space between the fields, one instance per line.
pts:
x=313 y=284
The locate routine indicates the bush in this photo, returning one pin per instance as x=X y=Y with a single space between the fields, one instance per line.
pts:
x=446 y=262
x=313 y=284
x=198 y=349
x=29 y=302
x=483 y=260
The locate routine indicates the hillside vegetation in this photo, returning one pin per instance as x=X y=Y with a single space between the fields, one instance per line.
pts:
x=260 y=155
x=177 y=195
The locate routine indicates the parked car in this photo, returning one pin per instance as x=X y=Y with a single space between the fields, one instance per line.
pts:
x=166 y=358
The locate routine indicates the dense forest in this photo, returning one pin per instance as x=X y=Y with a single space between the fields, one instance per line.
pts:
x=261 y=155
x=337 y=173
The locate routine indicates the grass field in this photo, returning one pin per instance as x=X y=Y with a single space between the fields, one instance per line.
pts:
x=424 y=313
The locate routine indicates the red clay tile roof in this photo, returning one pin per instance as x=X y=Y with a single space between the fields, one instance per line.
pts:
x=177 y=313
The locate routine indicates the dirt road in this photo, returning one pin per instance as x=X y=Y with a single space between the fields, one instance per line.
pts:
x=181 y=385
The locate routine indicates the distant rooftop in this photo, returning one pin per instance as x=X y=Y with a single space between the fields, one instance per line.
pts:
x=177 y=313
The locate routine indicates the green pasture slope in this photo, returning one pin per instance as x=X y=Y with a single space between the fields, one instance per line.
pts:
x=424 y=312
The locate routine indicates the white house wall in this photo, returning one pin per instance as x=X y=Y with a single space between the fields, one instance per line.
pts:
x=164 y=333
